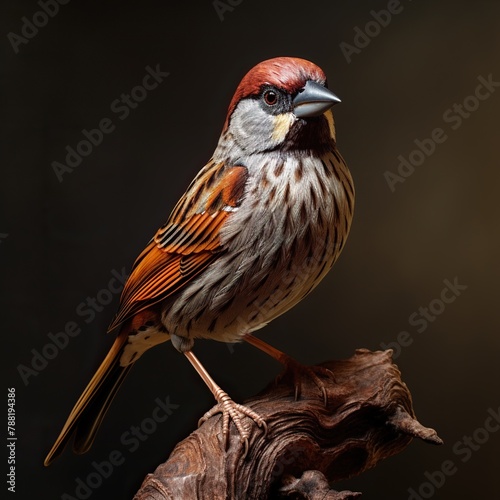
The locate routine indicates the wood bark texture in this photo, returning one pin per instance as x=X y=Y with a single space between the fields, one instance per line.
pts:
x=368 y=416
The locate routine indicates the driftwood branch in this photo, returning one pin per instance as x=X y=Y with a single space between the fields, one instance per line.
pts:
x=368 y=417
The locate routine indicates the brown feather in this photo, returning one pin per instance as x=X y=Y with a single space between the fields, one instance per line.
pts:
x=100 y=389
x=186 y=244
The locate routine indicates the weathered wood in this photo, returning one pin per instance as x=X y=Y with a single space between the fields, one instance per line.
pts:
x=368 y=417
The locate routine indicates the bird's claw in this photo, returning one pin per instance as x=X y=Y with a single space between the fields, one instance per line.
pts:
x=295 y=370
x=234 y=411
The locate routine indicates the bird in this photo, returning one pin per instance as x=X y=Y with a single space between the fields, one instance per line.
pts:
x=257 y=229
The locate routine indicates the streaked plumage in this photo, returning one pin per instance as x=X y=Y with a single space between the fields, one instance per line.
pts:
x=255 y=232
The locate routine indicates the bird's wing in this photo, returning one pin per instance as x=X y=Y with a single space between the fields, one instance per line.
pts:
x=187 y=243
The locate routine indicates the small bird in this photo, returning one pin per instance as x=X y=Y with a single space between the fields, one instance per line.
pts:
x=257 y=229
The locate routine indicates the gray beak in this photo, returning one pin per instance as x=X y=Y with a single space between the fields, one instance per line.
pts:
x=313 y=100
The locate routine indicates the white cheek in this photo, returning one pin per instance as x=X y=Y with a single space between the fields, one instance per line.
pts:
x=252 y=127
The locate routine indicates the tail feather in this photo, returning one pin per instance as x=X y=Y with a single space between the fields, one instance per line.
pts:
x=91 y=418
x=88 y=412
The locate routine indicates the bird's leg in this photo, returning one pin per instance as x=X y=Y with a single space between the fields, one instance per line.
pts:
x=292 y=366
x=226 y=406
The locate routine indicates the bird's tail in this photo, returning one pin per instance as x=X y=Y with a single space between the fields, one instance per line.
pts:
x=88 y=412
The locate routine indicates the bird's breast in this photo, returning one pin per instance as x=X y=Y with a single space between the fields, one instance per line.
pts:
x=280 y=242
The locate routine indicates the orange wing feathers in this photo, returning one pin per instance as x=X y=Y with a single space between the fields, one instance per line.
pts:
x=187 y=243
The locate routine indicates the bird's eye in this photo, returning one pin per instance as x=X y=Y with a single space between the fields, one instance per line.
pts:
x=271 y=97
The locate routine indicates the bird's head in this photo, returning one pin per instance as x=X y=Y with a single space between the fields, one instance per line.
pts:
x=282 y=104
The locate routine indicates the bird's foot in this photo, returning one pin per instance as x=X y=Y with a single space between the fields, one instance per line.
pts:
x=293 y=369
x=296 y=371
x=235 y=412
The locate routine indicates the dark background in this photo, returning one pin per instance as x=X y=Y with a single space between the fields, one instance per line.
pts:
x=60 y=241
